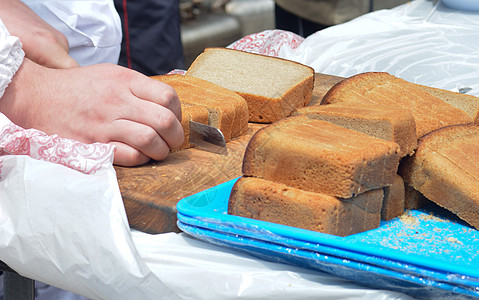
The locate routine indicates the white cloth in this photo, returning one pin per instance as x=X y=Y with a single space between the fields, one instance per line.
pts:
x=11 y=57
x=92 y=27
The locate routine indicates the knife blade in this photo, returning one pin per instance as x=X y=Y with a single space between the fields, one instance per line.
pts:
x=207 y=138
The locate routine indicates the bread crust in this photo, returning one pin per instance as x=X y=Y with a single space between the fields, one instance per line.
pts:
x=467 y=103
x=445 y=169
x=387 y=123
x=394 y=199
x=430 y=112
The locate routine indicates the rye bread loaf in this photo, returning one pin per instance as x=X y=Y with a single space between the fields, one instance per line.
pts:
x=322 y=157
x=269 y=201
x=272 y=87
x=445 y=169
x=227 y=111
x=430 y=112
x=384 y=122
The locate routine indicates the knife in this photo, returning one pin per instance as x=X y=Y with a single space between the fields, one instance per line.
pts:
x=207 y=138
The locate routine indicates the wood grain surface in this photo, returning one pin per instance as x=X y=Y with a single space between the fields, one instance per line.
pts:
x=150 y=192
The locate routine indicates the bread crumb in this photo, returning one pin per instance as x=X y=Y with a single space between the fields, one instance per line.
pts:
x=454 y=240
x=408 y=219
x=430 y=216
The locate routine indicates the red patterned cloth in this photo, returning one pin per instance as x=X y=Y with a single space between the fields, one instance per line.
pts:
x=268 y=42
x=86 y=158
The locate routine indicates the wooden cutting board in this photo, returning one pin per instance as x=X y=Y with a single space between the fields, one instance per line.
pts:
x=150 y=192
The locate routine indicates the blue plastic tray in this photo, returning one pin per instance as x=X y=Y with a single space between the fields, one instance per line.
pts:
x=430 y=245
x=359 y=272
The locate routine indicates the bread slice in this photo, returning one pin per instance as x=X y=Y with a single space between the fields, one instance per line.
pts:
x=322 y=157
x=227 y=110
x=467 y=103
x=393 y=202
x=191 y=113
x=445 y=169
x=275 y=202
x=430 y=112
x=384 y=122
x=273 y=87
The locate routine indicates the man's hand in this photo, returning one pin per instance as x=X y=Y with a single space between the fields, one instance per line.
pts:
x=41 y=42
x=100 y=103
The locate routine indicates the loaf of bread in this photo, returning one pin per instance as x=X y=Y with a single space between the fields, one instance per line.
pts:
x=394 y=198
x=226 y=110
x=275 y=202
x=430 y=112
x=321 y=157
x=273 y=87
x=384 y=122
x=445 y=169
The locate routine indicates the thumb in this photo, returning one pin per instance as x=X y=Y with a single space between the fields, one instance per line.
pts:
x=62 y=61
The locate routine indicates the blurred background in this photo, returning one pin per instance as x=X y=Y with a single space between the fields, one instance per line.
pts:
x=163 y=35
x=211 y=23
x=218 y=23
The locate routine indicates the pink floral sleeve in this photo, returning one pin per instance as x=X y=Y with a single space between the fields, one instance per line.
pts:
x=86 y=158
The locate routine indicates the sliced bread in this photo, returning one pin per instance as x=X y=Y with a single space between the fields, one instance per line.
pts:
x=275 y=202
x=272 y=87
x=321 y=157
x=384 y=122
x=467 y=103
x=227 y=110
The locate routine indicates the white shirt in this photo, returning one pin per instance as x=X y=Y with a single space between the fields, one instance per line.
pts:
x=11 y=57
x=92 y=27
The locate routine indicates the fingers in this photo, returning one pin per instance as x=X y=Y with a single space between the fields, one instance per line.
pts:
x=56 y=58
x=158 y=117
x=61 y=62
x=157 y=92
x=128 y=156
x=154 y=143
x=65 y=62
x=152 y=126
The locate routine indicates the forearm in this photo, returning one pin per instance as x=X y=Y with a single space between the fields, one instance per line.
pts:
x=41 y=42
